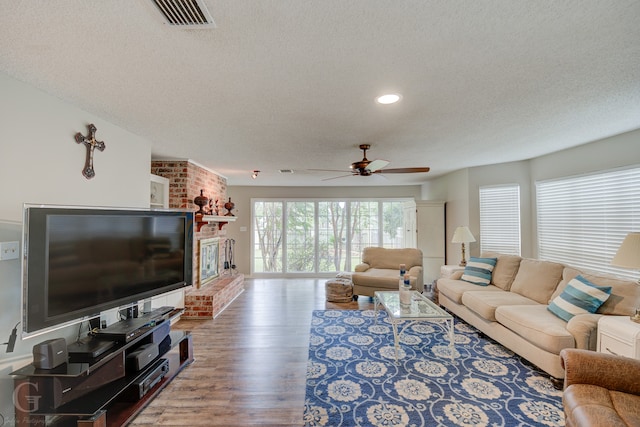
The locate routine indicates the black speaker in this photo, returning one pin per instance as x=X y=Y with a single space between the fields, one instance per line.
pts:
x=49 y=354
x=160 y=332
x=141 y=357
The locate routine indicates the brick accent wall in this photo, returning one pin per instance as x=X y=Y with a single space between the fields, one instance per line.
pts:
x=186 y=179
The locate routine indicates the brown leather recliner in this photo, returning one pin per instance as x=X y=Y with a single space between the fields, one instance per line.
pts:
x=600 y=389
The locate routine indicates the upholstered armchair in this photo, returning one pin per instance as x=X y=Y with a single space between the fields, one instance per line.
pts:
x=600 y=389
x=380 y=270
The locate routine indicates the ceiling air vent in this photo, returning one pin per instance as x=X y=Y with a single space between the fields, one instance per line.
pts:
x=185 y=13
x=286 y=170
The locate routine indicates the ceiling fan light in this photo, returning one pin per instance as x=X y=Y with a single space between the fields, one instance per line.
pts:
x=389 y=98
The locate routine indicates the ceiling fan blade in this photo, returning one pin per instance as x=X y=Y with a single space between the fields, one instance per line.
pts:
x=336 y=177
x=377 y=164
x=328 y=170
x=403 y=170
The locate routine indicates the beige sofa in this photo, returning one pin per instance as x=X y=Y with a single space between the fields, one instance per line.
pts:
x=512 y=309
x=380 y=270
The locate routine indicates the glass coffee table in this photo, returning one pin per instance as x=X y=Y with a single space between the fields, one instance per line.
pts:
x=421 y=309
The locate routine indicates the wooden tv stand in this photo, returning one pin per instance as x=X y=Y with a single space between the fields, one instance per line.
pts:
x=107 y=402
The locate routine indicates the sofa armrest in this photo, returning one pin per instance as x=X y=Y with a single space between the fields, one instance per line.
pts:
x=584 y=328
x=456 y=275
x=362 y=267
x=612 y=372
x=416 y=271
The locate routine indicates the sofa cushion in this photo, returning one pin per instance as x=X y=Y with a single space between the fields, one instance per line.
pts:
x=478 y=271
x=537 y=325
x=485 y=303
x=624 y=297
x=568 y=273
x=537 y=279
x=579 y=296
x=454 y=289
x=505 y=271
x=628 y=406
x=590 y=405
x=391 y=258
x=380 y=278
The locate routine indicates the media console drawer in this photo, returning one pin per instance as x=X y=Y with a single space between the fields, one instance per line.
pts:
x=619 y=335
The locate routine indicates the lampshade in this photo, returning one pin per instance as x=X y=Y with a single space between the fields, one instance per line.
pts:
x=628 y=254
x=462 y=235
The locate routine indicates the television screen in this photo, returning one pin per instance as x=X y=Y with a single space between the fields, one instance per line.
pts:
x=81 y=261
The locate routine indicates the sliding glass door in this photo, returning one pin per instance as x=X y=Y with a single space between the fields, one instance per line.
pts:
x=300 y=237
x=332 y=236
x=321 y=236
x=268 y=233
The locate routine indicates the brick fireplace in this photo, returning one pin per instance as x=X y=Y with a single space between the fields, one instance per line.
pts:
x=186 y=179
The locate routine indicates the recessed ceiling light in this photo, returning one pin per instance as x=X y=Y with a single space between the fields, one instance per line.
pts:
x=389 y=98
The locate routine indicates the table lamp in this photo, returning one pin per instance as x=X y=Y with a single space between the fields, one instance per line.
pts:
x=463 y=235
x=628 y=255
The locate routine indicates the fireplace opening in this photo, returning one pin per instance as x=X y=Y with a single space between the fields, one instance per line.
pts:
x=209 y=260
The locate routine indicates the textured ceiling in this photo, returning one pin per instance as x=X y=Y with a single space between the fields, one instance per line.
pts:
x=290 y=84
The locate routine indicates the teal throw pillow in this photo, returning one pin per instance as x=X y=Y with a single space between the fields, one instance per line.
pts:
x=478 y=271
x=579 y=297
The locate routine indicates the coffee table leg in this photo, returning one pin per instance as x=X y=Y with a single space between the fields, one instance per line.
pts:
x=396 y=338
x=375 y=309
x=452 y=338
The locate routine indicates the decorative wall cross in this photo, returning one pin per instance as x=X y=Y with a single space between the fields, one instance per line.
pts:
x=91 y=143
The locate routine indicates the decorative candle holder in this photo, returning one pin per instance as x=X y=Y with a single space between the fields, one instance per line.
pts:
x=229 y=207
x=201 y=201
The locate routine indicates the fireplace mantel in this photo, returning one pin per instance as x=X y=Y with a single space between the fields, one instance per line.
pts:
x=209 y=219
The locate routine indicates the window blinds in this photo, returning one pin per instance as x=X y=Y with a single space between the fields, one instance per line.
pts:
x=500 y=219
x=582 y=220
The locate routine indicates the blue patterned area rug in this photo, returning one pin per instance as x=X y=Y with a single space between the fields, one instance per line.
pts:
x=353 y=379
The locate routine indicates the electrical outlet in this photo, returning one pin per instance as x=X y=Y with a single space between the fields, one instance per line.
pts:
x=9 y=250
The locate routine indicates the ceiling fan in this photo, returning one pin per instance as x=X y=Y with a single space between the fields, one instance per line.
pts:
x=366 y=167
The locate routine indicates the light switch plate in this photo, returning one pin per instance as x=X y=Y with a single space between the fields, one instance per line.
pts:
x=9 y=250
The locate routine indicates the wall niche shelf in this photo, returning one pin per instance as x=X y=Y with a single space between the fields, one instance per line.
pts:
x=212 y=219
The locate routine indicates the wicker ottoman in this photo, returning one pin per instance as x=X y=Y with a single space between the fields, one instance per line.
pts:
x=339 y=290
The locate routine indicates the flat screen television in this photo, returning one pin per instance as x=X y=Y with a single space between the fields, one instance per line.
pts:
x=79 y=262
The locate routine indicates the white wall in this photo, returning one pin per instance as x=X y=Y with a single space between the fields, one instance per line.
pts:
x=454 y=189
x=609 y=153
x=242 y=195
x=40 y=162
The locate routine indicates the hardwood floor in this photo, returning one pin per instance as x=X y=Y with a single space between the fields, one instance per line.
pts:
x=251 y=360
